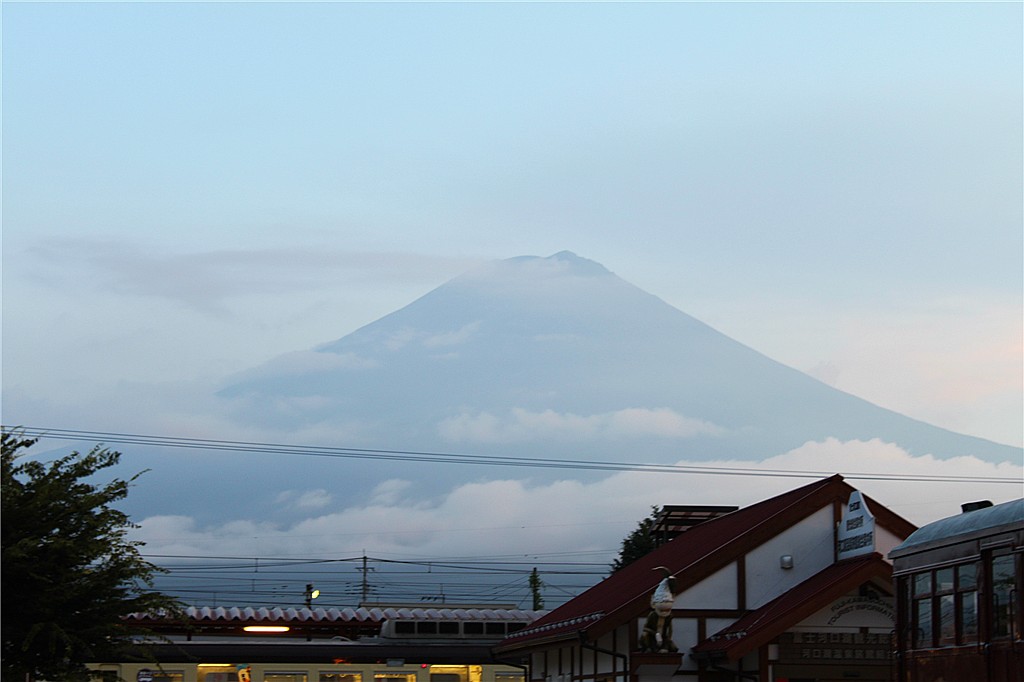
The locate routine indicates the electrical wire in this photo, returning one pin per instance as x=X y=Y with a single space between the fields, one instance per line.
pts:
x=467 y=458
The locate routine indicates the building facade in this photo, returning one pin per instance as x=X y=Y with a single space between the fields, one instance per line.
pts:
x=795 y=588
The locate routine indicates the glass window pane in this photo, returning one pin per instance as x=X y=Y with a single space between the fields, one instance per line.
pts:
x=326 y=676
x=449 y=673
x=168 y=676
x=923 y=583
x=1002 y=587
x=394 y=677
x=922 y=623
x=967 y=576
x=446 y=677
x=217 y=673
x=947 y=620
x=275 y=676
x=968 y=617
x=944 y=580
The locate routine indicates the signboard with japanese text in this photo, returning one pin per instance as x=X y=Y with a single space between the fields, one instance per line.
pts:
x=857 y=529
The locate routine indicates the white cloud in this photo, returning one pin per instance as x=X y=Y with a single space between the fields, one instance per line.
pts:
x=307 y=500
x=522 y=425
x=408 y=335
x=453 y=338
x=515 y=517
x=306 y=362
x=389 y=492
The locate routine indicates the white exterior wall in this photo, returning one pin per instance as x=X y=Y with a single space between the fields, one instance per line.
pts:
x=717 y=591
x=810 y=542
x=885 y=541
x=684 y=634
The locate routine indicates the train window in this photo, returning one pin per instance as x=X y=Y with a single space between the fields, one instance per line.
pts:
x=514 y=627
x=1003 y=587
x=394 y=677
x=426 y=627
x=946 y=604
x=280 y=676
x=449 y=673
x=448 y=627
x=495 y=628
x=327 y=676
x=209 y=672
x=922 y=623
x=967 y=576
x=967 y=602
x=168 y=676
x=472 y=627
x=509 y=677
x=405 y=627
x=102 y=676
x=968 y=606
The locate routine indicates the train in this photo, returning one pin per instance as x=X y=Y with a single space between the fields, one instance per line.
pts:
x=386 y=644
x=959 y=612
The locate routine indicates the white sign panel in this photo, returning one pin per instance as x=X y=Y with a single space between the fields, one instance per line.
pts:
x=857 y=529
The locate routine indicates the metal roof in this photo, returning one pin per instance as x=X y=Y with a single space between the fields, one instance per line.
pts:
x=1009 y=515
x=326 y=615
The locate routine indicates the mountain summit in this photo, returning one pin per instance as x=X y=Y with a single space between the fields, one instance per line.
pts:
x=558 y=356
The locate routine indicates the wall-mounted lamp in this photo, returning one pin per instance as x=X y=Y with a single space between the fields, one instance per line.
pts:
x=266 y=628
x=786 y=561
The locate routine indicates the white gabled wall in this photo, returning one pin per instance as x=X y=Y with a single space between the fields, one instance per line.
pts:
x=885 y=541
x=717 y=591
x=811 y=543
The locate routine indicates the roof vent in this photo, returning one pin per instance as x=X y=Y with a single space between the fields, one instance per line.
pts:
x=975 y=506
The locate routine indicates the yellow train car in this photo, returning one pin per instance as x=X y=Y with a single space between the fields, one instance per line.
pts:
x=378 y=644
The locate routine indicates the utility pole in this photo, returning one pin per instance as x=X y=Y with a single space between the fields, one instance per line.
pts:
x=366 y=581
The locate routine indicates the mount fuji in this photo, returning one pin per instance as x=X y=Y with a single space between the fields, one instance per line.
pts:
x=558 y=356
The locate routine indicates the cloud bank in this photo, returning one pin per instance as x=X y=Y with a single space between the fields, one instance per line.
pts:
x=521 y=425
x=515 y=517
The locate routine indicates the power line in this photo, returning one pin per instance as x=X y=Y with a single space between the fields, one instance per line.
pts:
x=468 y=458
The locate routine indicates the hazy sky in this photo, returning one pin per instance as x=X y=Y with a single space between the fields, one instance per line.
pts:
x=191 y=189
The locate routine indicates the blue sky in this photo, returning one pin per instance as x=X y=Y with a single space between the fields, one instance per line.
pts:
x=793 y=174
x=192 y=189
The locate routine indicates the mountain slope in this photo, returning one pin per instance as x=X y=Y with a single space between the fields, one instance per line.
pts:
x=558 y=355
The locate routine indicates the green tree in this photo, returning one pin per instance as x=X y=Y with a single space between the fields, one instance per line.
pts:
x=638 y=543
x=536 y=585
x=69 y=573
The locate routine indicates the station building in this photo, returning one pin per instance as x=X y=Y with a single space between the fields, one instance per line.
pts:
x=796 y=588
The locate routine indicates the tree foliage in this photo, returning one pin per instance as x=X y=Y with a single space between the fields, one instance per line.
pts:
x=536 y=585
x=70 y=574
x=638 y=543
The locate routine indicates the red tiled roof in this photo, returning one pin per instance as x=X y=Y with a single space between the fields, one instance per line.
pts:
x=764 y=624
x=375 y=615
x=691 y=557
